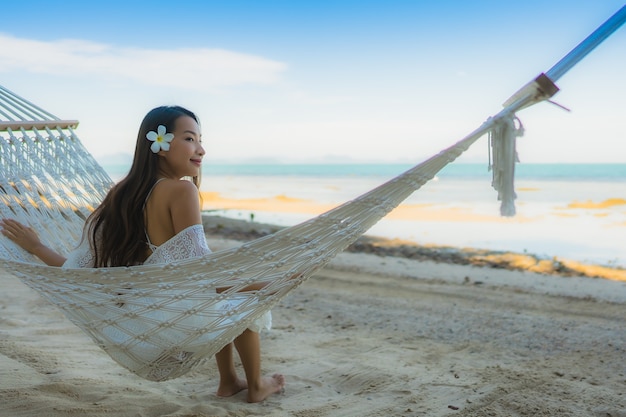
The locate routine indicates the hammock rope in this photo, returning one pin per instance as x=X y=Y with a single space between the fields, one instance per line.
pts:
x=159 y=321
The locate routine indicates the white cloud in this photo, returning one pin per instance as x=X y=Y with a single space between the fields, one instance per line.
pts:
x=190 y=68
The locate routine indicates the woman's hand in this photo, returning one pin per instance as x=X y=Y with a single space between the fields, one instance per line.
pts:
x=21 y=234
x=28 y=240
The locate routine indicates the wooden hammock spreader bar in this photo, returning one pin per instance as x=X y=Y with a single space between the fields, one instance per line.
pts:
x=38 y=124
x=17 y=113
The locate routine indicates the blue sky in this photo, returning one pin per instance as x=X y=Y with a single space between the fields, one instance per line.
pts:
x=322 y=81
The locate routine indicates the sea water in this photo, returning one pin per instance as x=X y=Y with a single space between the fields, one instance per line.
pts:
x=572 y=211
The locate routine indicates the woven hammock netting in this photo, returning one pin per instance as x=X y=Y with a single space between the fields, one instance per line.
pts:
x=160 y=321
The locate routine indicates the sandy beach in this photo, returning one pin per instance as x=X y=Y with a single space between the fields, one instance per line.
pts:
x=369 y=335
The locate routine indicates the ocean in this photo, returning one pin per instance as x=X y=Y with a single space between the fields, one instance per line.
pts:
x=571 y=211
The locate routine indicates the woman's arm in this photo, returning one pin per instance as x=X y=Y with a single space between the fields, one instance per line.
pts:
x=27 y=239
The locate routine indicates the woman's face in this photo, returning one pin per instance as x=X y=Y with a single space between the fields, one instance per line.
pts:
x=184 y=158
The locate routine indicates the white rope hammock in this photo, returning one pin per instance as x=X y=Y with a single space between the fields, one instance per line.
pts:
x=159 y=321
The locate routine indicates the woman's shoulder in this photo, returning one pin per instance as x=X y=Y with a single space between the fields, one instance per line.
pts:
x=177 y=191
x=181 y=199
x=177 y=186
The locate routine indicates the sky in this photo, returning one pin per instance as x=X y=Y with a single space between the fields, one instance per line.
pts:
x=321 y=81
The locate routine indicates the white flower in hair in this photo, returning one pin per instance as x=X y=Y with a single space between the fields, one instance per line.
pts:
x=160 y=138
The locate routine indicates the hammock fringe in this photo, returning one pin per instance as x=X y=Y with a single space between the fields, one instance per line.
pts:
x=503 y=141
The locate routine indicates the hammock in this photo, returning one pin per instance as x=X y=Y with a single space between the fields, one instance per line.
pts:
x=160 y=321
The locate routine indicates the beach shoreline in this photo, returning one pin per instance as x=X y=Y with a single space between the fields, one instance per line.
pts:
x=245 y=230
x=575 y=221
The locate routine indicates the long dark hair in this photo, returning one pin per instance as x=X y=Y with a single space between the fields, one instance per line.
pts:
x=116 y=228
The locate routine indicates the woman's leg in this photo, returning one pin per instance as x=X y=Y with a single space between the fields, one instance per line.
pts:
x=230 y=384
x=248 y=345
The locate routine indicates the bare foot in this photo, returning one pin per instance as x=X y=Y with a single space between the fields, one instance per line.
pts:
x=268 y=385
x=228 y=390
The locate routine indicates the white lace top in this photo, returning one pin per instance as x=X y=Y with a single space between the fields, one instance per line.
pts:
x=188 y=243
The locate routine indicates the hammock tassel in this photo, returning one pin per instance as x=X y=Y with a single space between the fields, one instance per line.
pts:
x=502 y=144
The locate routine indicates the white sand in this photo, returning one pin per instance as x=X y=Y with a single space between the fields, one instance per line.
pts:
x=367 y=336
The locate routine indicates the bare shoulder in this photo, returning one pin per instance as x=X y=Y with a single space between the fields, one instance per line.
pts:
x=183 y=200
x=179 y=188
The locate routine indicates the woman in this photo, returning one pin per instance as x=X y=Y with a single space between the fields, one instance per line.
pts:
x=153 y=216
